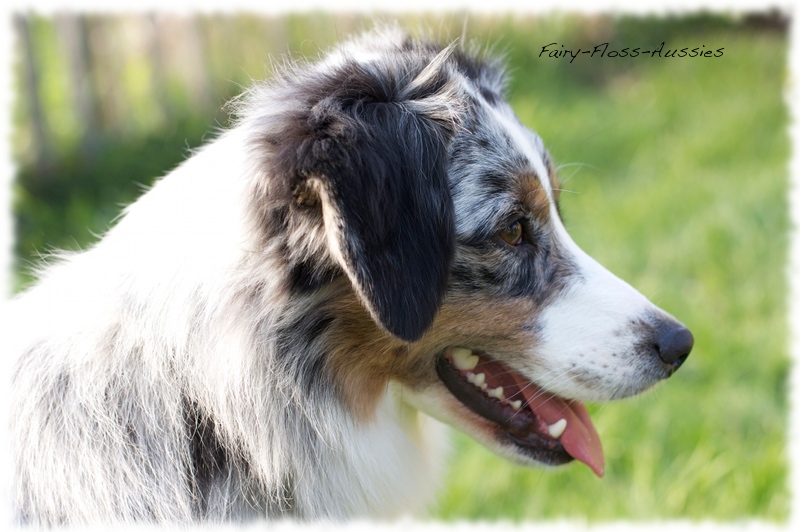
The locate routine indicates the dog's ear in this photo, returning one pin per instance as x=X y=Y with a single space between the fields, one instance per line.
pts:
x=373 y=149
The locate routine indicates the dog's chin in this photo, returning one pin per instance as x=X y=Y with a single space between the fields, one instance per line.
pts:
x=515 y=417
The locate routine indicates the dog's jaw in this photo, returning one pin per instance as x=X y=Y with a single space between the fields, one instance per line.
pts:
x=541 y=424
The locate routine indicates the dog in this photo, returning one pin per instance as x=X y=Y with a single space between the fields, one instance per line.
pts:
x=279 y=326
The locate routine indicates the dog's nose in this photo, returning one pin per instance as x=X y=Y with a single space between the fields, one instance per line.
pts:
x=674 y=342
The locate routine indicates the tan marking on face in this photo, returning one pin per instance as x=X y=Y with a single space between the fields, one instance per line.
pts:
x=492 y=325
x=533 y=194
x=362 y=356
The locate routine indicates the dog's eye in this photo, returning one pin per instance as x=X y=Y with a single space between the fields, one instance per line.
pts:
x=512 y=234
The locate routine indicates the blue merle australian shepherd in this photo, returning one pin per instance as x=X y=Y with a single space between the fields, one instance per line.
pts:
x=272 y=329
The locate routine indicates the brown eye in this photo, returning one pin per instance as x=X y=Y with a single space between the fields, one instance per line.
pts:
x=512 y=234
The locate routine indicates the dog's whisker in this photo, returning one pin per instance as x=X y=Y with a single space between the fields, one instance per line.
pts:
x=567 y=190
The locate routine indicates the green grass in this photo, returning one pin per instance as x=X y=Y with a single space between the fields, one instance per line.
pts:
x=675 y=173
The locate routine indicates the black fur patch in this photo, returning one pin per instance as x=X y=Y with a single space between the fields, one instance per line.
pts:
x=305 y=277
x=382 y=162
x=210 y=459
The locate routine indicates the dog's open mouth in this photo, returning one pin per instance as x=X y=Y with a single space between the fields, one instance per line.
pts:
x=546 y=427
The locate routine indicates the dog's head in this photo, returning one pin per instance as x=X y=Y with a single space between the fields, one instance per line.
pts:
x=418 y=221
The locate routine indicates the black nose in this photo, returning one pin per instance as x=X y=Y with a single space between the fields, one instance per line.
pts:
x=673 y=343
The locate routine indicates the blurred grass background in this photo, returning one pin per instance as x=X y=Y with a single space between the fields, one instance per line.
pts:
x=676 y=172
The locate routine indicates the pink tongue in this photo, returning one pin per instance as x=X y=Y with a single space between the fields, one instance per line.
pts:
x=580 y=438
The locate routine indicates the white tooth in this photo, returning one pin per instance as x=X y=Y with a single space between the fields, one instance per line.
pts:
x=557 y=428
x=463 y=359
x=484 y=386
x=470 y=377
x=516 y=405
x=479 y=380
x=497 y=393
